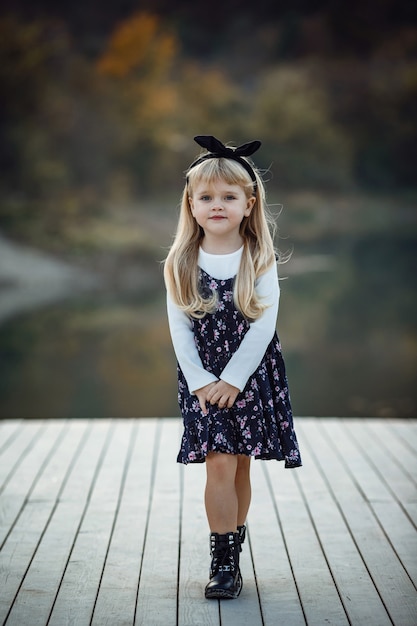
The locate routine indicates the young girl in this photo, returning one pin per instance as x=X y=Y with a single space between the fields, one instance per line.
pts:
x=223 y=293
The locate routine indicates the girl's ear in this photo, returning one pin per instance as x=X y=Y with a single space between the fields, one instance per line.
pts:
x=190 y=202
x=249 y=205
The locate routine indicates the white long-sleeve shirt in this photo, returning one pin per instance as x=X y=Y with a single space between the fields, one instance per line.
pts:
x=253 y=346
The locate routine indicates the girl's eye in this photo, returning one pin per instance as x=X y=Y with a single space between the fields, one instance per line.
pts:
x=205 y=198
x=230 y=197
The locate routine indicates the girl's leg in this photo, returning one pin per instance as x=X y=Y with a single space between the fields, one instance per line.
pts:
x=221 y=498
x=226 y=483
x=243 y=487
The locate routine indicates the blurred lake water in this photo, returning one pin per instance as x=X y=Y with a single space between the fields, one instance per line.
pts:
x=347 y=323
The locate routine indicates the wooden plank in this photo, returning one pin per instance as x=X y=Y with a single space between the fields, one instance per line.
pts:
x=392 y=582
x=332 y=542
x=38 y=591
x=411 y=508
x=406 y=430
x=32 y=460
x=83 y=571
x=22 y=542
x=401 y=534
x=399 y=440
x=357 y=591
x=12 y=455
x=277 y=589
x=246 y=609
x=116 y=601
x=319 y=597
x=394 y=460
x=388 y=497
x=9 y=429
x=157 y=597
x=193 y=608
x=52 y=480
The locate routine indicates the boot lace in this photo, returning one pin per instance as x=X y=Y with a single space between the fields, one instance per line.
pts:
x=223 y=558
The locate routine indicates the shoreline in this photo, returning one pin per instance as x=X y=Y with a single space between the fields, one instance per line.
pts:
x=30 y=279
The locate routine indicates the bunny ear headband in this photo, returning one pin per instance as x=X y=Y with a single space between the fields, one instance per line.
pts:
x=218 y=150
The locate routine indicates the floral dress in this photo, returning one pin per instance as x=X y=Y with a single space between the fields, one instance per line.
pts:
x=260 y=423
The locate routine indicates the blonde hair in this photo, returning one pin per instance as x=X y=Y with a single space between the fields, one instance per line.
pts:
x=181 y=271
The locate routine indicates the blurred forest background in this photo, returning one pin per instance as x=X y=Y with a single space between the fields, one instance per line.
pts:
x=99 y=105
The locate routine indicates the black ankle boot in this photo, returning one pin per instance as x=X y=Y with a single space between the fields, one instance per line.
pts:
x=241 y=531
x=225 y=579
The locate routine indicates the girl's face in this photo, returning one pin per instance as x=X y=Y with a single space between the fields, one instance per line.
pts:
x=219 y=209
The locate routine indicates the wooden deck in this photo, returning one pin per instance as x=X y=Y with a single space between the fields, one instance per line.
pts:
x=99 y=525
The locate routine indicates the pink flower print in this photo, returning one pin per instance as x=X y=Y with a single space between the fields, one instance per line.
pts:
x=216 y=334
x=192 y=456
x=282 y=394
x=219 y=438
x=257 y=450
x=249 y=396
x=220 y=306
x=240 y=328
x=241 y=404
x=254 y=383
x=284 y=425
x=196 y=406
x=213 y=284
x=228 y=296
x=226 y=346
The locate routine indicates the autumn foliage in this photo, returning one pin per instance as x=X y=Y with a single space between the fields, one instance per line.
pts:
x=80 y=132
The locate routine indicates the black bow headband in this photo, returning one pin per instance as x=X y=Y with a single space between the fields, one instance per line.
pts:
x=218 y=150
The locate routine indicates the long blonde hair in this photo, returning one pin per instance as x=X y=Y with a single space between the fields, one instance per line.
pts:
x=181 y=271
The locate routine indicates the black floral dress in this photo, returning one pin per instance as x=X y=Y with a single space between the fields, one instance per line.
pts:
x=260 y=423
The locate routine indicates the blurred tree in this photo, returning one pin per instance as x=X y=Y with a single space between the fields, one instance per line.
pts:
x=79 y=134
x=24 y=54
x=50 y=125
x=292 y=113
x=376 y=102
x=136 y=65
x=161 y=100
x=386 y=152
x=138 y=46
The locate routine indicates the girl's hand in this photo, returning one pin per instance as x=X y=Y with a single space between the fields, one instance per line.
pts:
x=202 y=395
x=222 y=394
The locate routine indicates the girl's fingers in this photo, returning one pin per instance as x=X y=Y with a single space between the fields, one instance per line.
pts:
x=202 y=404
x=221 y=398
x=226 y=401
x=210 y=394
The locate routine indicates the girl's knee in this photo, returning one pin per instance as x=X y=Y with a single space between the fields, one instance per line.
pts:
x=221 y=465
x=243 y=463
